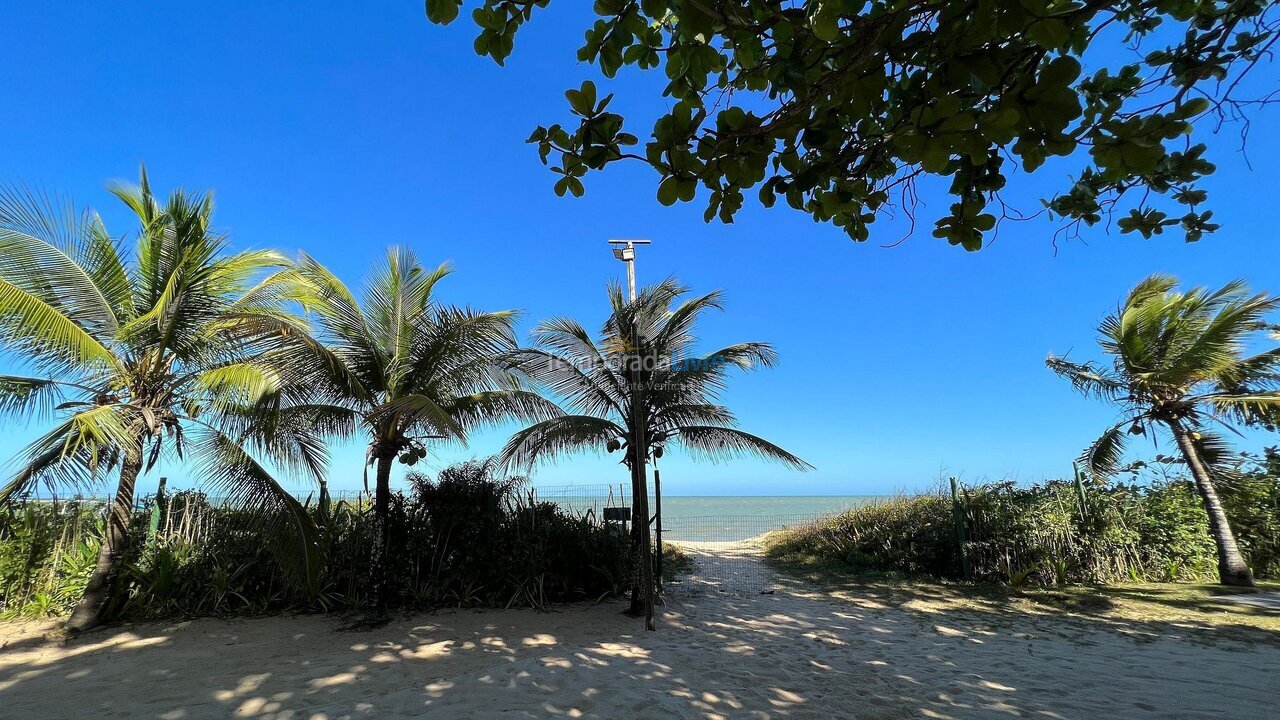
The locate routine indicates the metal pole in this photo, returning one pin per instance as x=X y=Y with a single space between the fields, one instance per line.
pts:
x=625 y=251
x=657 y=498
x=631 y=275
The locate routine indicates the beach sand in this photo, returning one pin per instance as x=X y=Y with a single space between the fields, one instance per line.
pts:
x=735 y=641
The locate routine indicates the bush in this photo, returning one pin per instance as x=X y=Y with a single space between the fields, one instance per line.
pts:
x=1047 y=533
x=464 y=538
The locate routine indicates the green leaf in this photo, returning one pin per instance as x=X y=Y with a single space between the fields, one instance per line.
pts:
x=583 y=100
x=1049 y=33
x=443 y=12
x=669 y=191
x=824 y=18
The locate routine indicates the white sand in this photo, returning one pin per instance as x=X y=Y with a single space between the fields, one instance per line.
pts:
x=723 y=650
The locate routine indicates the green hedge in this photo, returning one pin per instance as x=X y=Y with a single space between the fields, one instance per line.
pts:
x=461 y=539
x=1047 y=534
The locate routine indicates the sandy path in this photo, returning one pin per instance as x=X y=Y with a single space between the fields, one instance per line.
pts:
x=724 y=650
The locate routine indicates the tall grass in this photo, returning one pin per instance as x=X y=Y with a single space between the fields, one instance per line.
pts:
x=1047 y=533
x=463 y=538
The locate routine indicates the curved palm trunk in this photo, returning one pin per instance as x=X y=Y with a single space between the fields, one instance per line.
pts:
x=378 y=556
x=1232 y=569
x=88 y=612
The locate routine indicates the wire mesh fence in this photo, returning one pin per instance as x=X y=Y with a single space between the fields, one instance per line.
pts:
x=725 y=548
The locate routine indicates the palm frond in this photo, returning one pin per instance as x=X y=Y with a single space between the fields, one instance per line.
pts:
x=713 y=443
x=567 y=338
x=676 y=329
x=1214 y=451
x=744 y=356
x=37 y=330
x=419 y=414
x=323 y=296
x=454 y=349
x=1088 y=379
x=1257 y=371
x=44 y=242
x=286 y=529
x=28 y=397
x=56 y=461
x=1256 y=408
x=676 y=415
x=492 y=407
x=589 y=389
x=1102 y=458
x=552 y=439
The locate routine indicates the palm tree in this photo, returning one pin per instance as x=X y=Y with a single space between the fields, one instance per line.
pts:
x=639 y=386
x=171 y=353
x=1178 y=364
x=406 y=370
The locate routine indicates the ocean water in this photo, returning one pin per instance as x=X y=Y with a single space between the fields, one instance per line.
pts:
x=722 y=518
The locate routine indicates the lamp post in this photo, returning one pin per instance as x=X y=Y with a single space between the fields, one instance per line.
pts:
x=625 y=251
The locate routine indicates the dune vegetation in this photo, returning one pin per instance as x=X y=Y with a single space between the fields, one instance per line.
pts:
x=464 y=538
x=1051 y=534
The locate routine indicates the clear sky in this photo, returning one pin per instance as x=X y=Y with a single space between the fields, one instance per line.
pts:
x=341 y=129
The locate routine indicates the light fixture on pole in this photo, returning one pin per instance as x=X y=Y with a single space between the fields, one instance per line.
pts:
x=625 y=251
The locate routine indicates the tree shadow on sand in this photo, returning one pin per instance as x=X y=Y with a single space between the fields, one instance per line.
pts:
x=723 y=650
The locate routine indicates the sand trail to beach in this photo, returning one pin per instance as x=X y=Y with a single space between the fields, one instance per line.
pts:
x=735 y=641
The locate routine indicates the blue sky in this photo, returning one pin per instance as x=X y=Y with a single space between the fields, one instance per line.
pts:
x=341 y=130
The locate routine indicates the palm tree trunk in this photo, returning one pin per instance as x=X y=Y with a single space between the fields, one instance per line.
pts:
x=644 y=558
x=636 y=609
x=378 y=556
x=1232 y=569
x=88 y=612
x=642 y=595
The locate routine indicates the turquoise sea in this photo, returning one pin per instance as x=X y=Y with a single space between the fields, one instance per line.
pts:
x=721 y=518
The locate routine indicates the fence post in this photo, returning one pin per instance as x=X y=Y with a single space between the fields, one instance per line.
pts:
x=154 y=527
x=957 y=509
x=1079 y=477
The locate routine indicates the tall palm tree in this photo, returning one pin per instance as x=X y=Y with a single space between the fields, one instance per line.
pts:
x=405 y=370
x=639 y=386
x=170 y=352
x=1178 y=364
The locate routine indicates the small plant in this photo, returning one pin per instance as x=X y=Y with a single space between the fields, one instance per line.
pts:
x=1060 y=568
x=675 y=562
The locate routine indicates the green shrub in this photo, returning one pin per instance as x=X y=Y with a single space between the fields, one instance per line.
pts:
x=1047 y=534
x=463 y=538
x=675 y=562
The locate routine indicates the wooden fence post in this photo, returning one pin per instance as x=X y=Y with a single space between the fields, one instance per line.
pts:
x=961 y=517
x=157 y=509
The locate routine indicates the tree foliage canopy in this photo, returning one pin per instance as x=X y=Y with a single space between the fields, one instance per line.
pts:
x=840 y=107
x=1180 y=357
x=401 y=365
x=644 y=357
x=178 y=350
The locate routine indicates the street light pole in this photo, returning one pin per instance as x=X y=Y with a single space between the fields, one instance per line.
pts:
x=625 y=251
